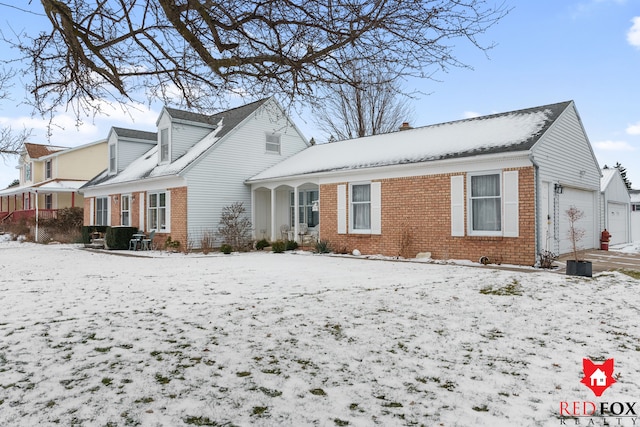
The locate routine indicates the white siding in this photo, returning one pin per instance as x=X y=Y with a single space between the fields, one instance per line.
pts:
x=615 y=205
x=618 y=222
x=184 y=136
x=128 y=151
x=217 y=180
x=564 y=156
x=586 y=201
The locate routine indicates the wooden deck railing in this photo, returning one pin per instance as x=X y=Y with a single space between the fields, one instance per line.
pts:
x=26 y=215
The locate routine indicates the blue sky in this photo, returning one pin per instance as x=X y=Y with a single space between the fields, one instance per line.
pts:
x=546 y=51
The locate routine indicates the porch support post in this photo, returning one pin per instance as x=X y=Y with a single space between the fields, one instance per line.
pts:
x=253 y=213
x=73 y=199
x=296 y=213
x=36 y=215
x=273 y=215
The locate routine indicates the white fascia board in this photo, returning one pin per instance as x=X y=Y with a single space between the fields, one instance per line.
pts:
x=149 y=184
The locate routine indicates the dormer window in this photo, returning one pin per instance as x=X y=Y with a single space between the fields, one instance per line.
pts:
x=273 y=143
x=164 y=145
x=112 y=158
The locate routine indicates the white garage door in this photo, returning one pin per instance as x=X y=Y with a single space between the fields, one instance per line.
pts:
x=618 y=223
x=585 y=201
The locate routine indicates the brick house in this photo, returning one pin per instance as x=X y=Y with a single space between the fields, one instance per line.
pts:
x=495 y=186
x=176 y=181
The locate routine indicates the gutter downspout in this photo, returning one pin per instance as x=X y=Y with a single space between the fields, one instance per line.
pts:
x=536 y=207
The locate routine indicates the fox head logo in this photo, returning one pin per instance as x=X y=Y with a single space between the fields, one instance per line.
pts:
x=598 y=377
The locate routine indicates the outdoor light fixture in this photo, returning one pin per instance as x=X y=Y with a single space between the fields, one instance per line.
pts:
x=557 y=188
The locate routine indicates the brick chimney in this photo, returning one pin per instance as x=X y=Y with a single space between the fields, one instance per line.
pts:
x=405 y=126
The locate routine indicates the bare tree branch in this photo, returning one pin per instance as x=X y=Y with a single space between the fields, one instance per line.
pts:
x=371 y=103
x=204 y=48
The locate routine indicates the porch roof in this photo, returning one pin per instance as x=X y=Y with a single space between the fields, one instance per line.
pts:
x=53 y=186
x=498 y=133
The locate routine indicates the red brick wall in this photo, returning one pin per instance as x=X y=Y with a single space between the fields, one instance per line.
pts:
x=178 y=217
x=416 y=217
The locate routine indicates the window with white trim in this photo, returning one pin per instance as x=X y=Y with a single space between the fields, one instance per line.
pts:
x=164 y=145
x=360 y=207
x=273 y=143
x=125 y=210
x=486 y=203
x=308 y=212
x=102 y=211
x=27 y=171
x=157 y=211
x=47 y=169
x=112 y=158
x=48 y=201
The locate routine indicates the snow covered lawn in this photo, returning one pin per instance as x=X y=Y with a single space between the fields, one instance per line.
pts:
x=97 y=339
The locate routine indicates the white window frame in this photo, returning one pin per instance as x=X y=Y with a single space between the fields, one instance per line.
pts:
x=28 y=172
x=50 y=198
x=471 y=198
x=127 y=210
x=164 y=147
x=272 y=143
x=112 y=158
x=153 y=212
x=104 y=210
x=306 y=205
x=352 y=225
x=48 y=169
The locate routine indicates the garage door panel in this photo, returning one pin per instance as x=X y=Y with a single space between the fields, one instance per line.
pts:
x=617 y=222
x=585 y=201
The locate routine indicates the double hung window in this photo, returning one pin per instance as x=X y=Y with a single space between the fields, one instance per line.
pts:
x=157 y=211
x=361 y=207
x=486 y=203
x=102 y=211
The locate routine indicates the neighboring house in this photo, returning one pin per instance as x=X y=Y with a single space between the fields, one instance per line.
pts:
x=177 y=181
x=615 y=206
x=495 y=186
x=50 y=177
x=634 y=196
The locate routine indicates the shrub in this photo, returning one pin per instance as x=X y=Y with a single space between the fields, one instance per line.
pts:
x=322 y=247
x=278 y=246
x=226 y=249
x=118 y=237
x=291 y=245
x=235 y=228
x=261 y=244
x=207 y=241
x=171 y=245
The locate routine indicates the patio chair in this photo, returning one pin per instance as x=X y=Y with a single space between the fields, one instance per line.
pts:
x=146 y=243
x=133 y=244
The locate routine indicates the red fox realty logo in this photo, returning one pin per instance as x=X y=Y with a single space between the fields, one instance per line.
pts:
x=598 y=377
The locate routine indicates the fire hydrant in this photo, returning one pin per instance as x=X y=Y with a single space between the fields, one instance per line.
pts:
x=605 y=237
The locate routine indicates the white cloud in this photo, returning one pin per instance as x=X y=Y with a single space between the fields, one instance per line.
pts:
x=614 y=146
x=634 y=129
x=67 y=132
x=633 y=35
x=470 y=114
